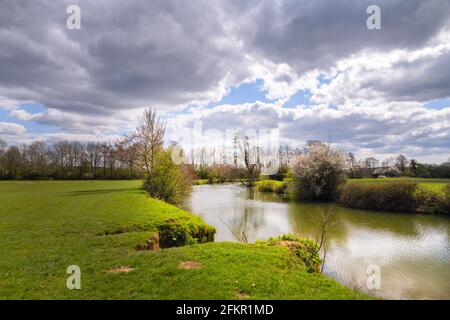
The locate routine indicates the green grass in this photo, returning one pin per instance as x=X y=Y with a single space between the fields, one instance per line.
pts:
x=436 y=185
x=268 y=185
x=276 y=186
x=47 y=226
x=200 y=182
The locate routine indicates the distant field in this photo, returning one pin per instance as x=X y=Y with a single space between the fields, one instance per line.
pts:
x=46 y=226
x=432 y=184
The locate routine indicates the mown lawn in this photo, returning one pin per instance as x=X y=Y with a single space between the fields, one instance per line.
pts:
x=47 y=226
x=432 y=184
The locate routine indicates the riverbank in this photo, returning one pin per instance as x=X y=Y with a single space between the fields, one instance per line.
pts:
x=429 y=196
x=104 y=226
x=409 y=248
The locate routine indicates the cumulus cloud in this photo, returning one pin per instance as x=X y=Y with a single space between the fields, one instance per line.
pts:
x=11 y=129
x=368 y=88
x=127 y=55
x=384 y=131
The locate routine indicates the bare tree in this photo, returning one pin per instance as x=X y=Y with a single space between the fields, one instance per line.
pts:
x=61 y=157
x=148 y=139
x=251 y=157
x=327 y=222
x=12 y=161
x=38 y=158
x=371 y=164
x=126 y=152
x=94 y=155
x=77 y=158
x=401 y=163
x=109 y=159
x=354 y=166
x=3 y=148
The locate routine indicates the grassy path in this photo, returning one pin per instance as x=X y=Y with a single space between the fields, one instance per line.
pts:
x=47 y=226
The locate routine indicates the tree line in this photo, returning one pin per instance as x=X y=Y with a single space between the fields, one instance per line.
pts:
x=132 y=156
x=395 y=167
x=66 y=160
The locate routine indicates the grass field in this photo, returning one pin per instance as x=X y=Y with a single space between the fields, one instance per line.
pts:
x=432 y=184
x=47 y=226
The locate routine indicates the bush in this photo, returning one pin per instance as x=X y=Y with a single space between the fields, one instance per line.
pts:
x=283 y=188
x=200 y=182
x=279 y=187
x=304 y=249
x=318 y=174
x=446 y=199
x=283 y=172
x=434 y=202
x=268 y=185
x=169 y=182
x=173 y=233
x=395 y=196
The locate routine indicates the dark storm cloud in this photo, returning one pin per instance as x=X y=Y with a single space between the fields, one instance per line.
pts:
x=315 y=34
x=127 y=54
x=136 y=53
x=166 y=53
x=424 y=80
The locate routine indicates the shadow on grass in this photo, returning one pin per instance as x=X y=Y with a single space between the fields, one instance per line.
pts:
x=101 y=191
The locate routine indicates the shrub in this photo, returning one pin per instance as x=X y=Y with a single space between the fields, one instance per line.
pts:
x=395 y=196
x=304 y=249
x=168 y=181
x=175 y=234
x=283 y=172
x=279 y=187
x=200 y=182
x=283 y=188
x=268 y=185
x=446 y=199
x=317 y=174
x=434 y=202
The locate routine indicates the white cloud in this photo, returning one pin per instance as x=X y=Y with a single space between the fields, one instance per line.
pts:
x=11 y=129
x=384 y=131
x=180 y=56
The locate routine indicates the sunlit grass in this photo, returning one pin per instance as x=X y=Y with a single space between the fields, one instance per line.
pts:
x=436 y=185
x=47 y=226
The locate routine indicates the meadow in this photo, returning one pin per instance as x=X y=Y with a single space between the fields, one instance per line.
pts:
x=435 y=185
x=45 y=226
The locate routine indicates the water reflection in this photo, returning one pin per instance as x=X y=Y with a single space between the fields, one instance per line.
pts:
x=413 y=251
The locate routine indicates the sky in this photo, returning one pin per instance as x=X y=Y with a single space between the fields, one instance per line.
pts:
x=311 y=69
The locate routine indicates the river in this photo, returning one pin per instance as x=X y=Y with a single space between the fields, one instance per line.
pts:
x=412 y=251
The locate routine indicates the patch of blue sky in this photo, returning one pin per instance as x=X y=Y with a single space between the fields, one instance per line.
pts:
x=30 y=125
x=438 y=104
x=323 y=80
x=302 y=97
x=33 y=107
x=244 y=93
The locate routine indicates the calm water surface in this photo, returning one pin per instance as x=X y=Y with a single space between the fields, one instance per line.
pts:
x=413 y=251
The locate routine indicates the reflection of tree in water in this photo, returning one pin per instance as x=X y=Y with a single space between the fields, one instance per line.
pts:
x=306 y=220
x=244 y=225
x=250 y=193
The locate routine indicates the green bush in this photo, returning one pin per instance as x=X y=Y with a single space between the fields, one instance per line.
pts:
x=268 y=185
x=285 y=187
x=434 y=202
x=175 y=234
x=200 y=182
x=395 y=196
x=280 y=187
x=168 y=181
x=304 y=249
